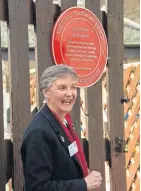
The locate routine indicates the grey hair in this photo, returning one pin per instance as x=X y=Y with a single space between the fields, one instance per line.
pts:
x=52 y=73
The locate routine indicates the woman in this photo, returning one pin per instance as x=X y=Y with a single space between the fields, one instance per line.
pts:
x=51 y=153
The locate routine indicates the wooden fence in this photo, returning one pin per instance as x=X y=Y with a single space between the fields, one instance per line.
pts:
x=42 y=15
x=132 y=126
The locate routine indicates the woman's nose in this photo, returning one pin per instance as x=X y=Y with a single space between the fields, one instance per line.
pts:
x=69 y=92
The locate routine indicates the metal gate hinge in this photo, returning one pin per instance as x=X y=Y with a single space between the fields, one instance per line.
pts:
x=121 y=145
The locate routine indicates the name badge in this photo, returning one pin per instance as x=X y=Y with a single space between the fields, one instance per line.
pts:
x=73 y=148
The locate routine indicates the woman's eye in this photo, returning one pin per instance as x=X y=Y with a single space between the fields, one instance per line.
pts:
x=62 y=88
x=74 y=87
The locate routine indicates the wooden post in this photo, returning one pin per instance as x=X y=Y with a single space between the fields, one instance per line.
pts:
x=65 y=4
x=75 y=114
x=3 y=10
x=31 y=11
x=2 y=174
x=95 y=119
x=20 y=89
x=115 y=89
x=44 y=24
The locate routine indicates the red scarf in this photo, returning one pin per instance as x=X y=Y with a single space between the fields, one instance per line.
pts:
x=72 y=136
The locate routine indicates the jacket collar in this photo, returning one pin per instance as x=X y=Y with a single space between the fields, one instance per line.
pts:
x=56 y=126
x=51 y=118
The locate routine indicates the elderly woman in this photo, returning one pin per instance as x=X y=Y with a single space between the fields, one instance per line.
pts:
x=52 y=156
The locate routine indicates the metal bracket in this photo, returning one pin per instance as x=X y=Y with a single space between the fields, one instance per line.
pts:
x=121 y=145
x=125 y=100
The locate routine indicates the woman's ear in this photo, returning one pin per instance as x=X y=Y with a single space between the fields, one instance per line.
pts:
x=45 y=93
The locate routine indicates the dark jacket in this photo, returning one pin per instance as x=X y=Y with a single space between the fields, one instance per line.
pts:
x=47 y=164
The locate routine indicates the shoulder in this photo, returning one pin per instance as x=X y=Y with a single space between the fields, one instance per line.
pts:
x=38 y=128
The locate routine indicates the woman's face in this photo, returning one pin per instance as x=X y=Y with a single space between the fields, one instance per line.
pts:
x=62 y=94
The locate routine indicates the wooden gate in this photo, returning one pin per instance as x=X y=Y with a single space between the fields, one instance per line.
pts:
x=42 y=15
x=132 y=125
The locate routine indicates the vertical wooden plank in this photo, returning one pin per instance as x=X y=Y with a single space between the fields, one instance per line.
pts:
x=2 y=9
x=57 y=11
x=30 y=12
x=95 y=119
x=44 y=24
x=67 y=3
x=75 y=114
x=115 y=88
x=2 y=176
x=20 y=89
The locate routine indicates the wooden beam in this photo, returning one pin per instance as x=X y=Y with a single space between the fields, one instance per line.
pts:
x=31 y=11
x=95 y=119
x=2 y=174
x=115 y=89
x=75 y=114
x=44 y=24
x=20 y=83
x=3 y=10
x=65 y=4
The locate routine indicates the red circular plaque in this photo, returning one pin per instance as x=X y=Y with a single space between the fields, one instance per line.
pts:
x=79 y=41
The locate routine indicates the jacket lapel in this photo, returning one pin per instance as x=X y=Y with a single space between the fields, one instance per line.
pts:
x=58 y=130
x=56 y=126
